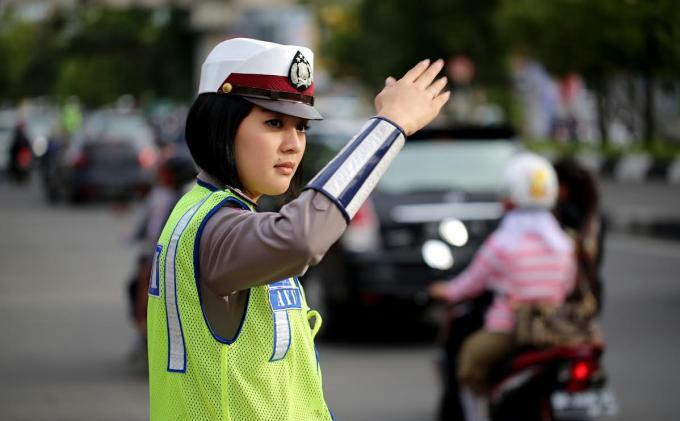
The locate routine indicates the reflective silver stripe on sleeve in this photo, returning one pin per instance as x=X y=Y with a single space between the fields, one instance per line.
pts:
x=281 y=335
x=352 y=175
x=375 y=176
x=176 y=349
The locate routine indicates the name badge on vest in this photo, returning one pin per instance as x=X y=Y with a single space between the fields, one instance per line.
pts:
x=283 y=296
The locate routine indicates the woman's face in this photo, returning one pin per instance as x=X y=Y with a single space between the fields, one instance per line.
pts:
x=268 y=148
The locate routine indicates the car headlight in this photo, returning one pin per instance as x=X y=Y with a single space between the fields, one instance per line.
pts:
x=437 y=255
x=454 y=232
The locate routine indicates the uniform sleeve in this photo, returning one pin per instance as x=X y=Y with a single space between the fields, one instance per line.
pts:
x=474 y=280
x=240 y=249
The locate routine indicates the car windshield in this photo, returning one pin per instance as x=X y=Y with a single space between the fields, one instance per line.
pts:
x=113 y=128
x=448 y=165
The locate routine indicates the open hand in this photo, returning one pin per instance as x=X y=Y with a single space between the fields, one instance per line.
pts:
x=414 y=100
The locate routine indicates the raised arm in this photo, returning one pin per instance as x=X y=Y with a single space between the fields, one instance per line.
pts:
x=247 y=249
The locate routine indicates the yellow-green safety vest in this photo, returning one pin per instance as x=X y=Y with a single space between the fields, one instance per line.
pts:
x=268 y=371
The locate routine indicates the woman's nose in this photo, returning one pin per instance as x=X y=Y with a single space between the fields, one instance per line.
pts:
x=292 y=141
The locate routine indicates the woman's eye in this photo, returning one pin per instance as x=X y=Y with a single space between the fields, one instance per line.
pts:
x=275 y=122
x=302 y=128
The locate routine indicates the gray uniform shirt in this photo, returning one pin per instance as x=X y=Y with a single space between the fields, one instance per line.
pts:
x=240 y=249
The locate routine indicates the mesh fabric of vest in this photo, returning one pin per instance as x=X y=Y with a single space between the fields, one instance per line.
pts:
x=226 y=381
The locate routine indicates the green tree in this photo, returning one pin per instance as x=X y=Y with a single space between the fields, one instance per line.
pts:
x=114 y=52
x=28 y=56
x=97 y=53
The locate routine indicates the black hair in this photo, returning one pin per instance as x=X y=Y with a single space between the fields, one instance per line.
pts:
x=582 y=197
x=574 y=210
x=210 y=133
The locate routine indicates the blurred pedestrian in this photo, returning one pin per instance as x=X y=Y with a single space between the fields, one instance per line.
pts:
x=71 y=116
x=528 y=259
x=175 y=172
x=231 y=336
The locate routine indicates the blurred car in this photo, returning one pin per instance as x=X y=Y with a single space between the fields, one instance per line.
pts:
x=113 y=155
x=432 y=210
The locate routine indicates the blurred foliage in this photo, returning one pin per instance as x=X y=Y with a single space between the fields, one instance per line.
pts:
x=369 y=40
x=98 y=54
x=598 y=39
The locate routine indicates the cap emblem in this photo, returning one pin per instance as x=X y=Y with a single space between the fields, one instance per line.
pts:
x=300 y=73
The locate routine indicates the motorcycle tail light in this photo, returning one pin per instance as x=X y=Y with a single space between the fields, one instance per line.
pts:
x=580 y=374
x=580 y=371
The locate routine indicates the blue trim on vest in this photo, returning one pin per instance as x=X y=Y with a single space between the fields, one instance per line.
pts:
x=197 y=277
x=206 y=185
x=333 y=166
x=353 y=187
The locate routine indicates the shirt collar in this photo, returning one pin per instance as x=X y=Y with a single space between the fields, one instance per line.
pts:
x=210 y=181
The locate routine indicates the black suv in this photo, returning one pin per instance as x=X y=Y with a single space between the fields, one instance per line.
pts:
x=427 y=217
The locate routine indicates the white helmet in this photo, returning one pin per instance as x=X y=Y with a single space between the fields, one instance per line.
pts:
x=531 y=182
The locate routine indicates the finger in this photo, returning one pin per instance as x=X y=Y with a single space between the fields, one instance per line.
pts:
x=437 y=86
x=416 y=71
x=442 y=98
x=426 y=77
x=390 y=81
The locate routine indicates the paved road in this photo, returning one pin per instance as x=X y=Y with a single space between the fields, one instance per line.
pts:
x=65 y=332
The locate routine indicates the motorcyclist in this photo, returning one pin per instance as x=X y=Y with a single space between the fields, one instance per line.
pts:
x=20 y=153
x=529 y=258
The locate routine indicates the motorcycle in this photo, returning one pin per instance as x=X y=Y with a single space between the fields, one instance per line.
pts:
x=532 y=384
x=556 y=383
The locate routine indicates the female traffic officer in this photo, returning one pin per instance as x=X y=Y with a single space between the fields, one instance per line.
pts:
x=230 y=332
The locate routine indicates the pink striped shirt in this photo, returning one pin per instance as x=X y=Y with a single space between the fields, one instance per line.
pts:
x=527 y=272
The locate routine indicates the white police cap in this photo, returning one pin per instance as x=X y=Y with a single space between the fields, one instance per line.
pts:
x=273 y=76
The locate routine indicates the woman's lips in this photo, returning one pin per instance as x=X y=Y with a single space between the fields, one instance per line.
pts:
x=285 y=168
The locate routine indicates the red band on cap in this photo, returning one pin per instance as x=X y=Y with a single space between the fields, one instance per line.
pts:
x=269 y=82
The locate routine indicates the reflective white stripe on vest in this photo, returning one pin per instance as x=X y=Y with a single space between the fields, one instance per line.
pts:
x=176 y=348
x=281 y=335
x=153 y=282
